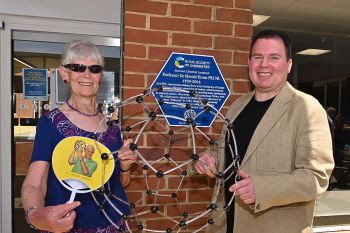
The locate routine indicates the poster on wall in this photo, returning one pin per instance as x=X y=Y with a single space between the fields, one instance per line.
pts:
x=35 y=84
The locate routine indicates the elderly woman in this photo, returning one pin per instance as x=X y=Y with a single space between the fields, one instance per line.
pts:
x=44 y=197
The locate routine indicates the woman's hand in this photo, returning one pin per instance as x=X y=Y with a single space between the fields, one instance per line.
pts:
x=59 y=218
x=206 y=164
x=126 y=156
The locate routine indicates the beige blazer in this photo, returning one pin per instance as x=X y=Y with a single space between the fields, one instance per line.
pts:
x=289 y=159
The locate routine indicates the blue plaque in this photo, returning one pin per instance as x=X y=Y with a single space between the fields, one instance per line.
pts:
x=35 y=84
x=187 y=84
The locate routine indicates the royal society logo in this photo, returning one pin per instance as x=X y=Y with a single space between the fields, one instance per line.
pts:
x=179 y=62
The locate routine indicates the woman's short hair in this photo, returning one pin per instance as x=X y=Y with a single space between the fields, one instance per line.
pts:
x=79 y=49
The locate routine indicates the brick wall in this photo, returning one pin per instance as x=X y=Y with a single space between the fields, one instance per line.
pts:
x=153 y=30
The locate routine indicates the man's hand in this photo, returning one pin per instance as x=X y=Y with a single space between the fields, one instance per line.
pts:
x=80 y=154
x=244 y=189
x=206 y=164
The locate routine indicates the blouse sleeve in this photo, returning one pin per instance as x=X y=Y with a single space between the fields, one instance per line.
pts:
x=44 y=140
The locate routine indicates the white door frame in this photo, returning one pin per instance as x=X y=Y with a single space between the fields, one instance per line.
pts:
x=32 y=24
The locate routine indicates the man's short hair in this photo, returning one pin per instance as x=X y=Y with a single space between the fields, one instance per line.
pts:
x=268 y=34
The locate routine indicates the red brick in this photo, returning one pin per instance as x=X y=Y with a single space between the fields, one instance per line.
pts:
x=144 y=212
x=140 y=183
x=133 y=196
x=146 y=6
x=135 y=50
x=190 y=11
x=164 y=52
x=168 y=25
x=200 y=195
x=212 y=28
x=163 y=140
x=146 y=36
x=165 y=197
x=172 y=24
x=181 y=154
x=220 y=56
x=192 y=40
x=140 y=140
x=158 y=125
x=134 y=80
x=189 y=208
x=189 y=182
x=202 y=141
x=150 y=78
x=241 y=58
x=224 y=3
x=240 y=72
x=134 y=111
x=231 y=43
x=179 y=140
x=131 y=92
x=157 y=140
x=196 y=225
x=234 y=15
x=152 y=154
x=165 y=166
x=135 y=20
x=246 y=4
x=160 y=225
x=133 y=123
x=143 y=66
x=243 y=30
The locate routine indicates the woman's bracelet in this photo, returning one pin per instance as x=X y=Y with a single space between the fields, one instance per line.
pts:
x=26 y=213
x=123 y=171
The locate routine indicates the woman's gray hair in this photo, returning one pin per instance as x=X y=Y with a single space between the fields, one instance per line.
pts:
x=79 y=49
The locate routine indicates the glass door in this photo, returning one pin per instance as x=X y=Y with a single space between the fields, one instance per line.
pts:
x=37 y=50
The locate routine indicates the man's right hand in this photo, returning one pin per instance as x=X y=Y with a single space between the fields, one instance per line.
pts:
x=58 y=218
x=206 y=164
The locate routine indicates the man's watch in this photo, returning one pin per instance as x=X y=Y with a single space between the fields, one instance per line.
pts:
x=26 y=213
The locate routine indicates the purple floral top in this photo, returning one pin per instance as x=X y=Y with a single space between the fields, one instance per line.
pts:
x=51 y=129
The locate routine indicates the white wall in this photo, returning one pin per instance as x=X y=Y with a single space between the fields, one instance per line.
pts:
x=107 y=11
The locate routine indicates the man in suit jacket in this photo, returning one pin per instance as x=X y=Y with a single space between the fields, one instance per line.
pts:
x=284 y=144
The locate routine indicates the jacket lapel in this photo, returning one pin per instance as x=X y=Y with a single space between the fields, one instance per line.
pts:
x=270 y=118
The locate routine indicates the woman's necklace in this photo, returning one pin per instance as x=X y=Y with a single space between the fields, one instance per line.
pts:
x=83 y=113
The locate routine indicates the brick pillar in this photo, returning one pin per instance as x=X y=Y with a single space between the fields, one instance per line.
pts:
x=153 y=30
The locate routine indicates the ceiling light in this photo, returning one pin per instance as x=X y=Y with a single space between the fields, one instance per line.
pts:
x=313 y=52
x=23 y=62
x=258 y=19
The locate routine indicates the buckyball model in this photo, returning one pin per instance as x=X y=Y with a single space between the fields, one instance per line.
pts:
x=77 y=183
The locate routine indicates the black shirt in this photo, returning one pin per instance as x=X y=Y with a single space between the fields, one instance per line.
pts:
x=243 y=128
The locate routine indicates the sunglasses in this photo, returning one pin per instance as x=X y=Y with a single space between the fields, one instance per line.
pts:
x=80 y=68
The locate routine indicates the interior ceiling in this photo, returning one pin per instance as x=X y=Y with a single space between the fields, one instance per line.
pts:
x=320 y=24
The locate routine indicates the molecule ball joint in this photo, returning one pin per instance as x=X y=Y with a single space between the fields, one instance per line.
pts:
x=104 y=156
